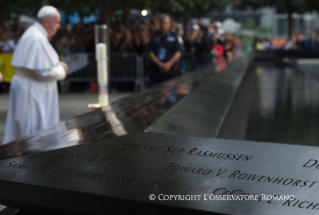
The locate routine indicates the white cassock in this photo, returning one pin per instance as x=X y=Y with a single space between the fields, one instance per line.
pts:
x=33 y=102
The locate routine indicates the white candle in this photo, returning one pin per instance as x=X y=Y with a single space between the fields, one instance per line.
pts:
x=101 y=51
x=101 y=61
x=102 y=73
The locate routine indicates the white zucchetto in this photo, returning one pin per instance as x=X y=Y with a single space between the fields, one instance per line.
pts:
x=46 y=11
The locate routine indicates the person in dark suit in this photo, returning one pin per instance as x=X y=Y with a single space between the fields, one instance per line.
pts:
x=313 y=42
x=204 y=47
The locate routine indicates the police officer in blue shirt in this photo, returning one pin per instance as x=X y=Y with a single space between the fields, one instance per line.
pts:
x=164 y=51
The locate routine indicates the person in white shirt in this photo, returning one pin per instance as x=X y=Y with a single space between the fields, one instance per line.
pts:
x=33 y=100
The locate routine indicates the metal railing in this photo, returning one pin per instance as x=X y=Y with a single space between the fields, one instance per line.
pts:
x=124 y=67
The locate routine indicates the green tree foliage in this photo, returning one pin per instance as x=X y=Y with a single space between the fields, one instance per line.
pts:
x=298 y=6
x=190 y=8
x=185 y=8
x=9 y=7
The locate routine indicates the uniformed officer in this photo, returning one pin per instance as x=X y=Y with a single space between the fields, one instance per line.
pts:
x=164 y=51
x=204 y=47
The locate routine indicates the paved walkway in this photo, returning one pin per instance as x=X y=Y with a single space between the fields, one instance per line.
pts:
x=71 y=105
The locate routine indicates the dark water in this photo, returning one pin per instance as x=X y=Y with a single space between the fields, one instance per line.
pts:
x=284 y=106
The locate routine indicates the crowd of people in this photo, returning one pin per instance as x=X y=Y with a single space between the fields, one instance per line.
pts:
x=134 y=36
x=262 y=44
x=305 y=42
x=299 y=41
x=206 y=42
x=130 y=37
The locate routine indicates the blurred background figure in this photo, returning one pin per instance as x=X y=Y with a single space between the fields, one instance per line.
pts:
x=211 y=27
x=218 y=28
x=204 y=46
x=259 y=45
x=218 y=54
x=313 y=41
x=268 y=44
x=300 y=41
x=140 y=38
x=218 y=51
x=180 y=34
x=126 y=42
x=290 y=44
x=190 y=38
x=7 y=43
x=229 y=47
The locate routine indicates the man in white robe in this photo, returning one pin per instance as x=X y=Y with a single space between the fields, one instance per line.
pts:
x=33 y=101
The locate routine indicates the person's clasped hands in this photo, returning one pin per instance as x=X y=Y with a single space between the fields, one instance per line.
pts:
x=165 y=67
